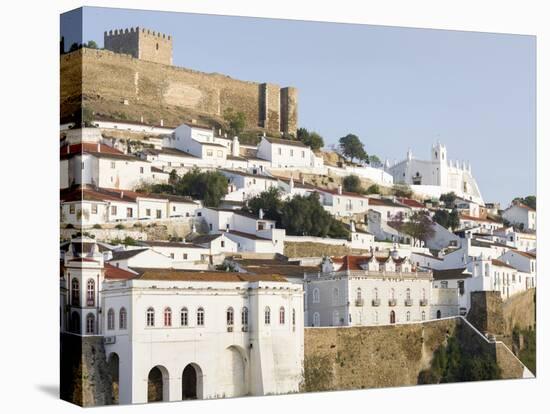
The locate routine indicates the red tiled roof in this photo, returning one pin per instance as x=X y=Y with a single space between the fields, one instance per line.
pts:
x=526 y=254
x=92 y=148
x=472 y=218
x=500 y=263
x=373 y=201
x=411 y=203
x=113 y=272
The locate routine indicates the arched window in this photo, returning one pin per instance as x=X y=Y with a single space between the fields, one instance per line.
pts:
x=184 y=317
x=90 y=324
x=282 y=315
x=267 y=315
x=122 y=318
x=200 y=316
x=293 y=317
x=229 y=316
x=408 y=293
x=358 y=294
x=423 y=315
x=335 y=296
x=150 y=317
x=316 y=296
x=438 y=314
x=408 y=316
x=75 y=292
x=90 y=293
x=244 y=317
x=392 y=317
x=167 y=317
x=316 y=319
x=111 y=319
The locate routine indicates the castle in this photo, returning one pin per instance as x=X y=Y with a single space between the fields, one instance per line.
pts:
x=139 y=81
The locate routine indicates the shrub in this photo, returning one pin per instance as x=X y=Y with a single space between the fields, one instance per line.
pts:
x=120 y=227
x=97 y=226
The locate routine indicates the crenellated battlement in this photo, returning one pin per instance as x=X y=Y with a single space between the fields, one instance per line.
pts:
x=141 y=43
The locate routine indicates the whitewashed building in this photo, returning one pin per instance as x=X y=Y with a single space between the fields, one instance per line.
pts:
x=284 y=153
x=521 y=215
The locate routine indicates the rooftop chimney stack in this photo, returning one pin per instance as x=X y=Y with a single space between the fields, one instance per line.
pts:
x=162 y=122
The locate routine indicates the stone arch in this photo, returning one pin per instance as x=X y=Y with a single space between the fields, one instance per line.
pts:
x=192 y=382
x=113 y=364
x=157 y=384
x=236 y=363
x=392 y=316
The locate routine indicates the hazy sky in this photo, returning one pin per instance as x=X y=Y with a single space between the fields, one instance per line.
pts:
x=393 y=87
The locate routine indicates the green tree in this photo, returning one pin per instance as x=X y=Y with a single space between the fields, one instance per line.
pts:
x=402 y=190
x=235 y=120
x=373 y=189
x=310 y=138
x=270 y=203
x=454 y=220
x=352 y=183
x=448 y=199
x=92 y=44
x=374 y=161
x=74 y=46
x=419 y=226
x=352 y=147
x=441 y=217
x=208 y=186
x=173 y=177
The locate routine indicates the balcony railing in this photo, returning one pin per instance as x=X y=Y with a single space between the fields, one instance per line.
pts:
x=376 y=302
x=423 y=302
x=408 y=302
x=359 y=302
x=392 y=302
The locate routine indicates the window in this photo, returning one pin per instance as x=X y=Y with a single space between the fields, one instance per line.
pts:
x=335 y=296
x=375 y=293
x=129 y=212
x=71 y=209
x=461 y=287
x=316 y=319
x=267 y=316
x=94 y=208
x=358 y=295
x=184 y=317
x=113 y=210
x=408 y=294
x=171 y=255
x=150 y=317
x=200 y=317
x=167 y=317
x=408 y=316
x=113 y=164
x=444 y=284
x=141 y=170
x=185 y=256
x=90 y=324
x=111 y=319
x=147 y=211
x=75 y=292
x=209 y=153
x=90 y=293
x=229 y=316
x=279 y=151
x=122 y=319
x=222 y=243
x=159 y=214
x=244 y=317
x=316 y=295
x=282 y=315
x=293 y=317
x=292 y=153
x=303 y=154
x=423 y=315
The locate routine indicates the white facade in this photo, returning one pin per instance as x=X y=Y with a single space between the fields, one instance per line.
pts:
x=283 y=153
x=521 y=215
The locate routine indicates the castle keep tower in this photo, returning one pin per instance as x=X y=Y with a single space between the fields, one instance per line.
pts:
x=140 y=43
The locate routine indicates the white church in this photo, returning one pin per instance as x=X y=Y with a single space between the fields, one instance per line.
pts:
x=436 y=176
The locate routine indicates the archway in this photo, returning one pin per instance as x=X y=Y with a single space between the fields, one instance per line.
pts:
x=235 y=372
x=392 y=317
x=157 y=384
x=191 y=382
x=113 y=363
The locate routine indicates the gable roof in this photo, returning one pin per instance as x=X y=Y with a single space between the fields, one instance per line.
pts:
x=126 y=254
x=451 y=274
x=95 y=149
x=385 y=202
x=280 y=141
x=203 y=276
x=116 y=273
x=496 y=262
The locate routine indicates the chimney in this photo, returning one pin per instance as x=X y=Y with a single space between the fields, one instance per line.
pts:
x=219 y=132
x=122 y=194
x=352 y=226
x=141 y=119
x=162 y=122
x=291 y=183
x=68 y=148
x=264 y=133
x=98 y=147
x=261 y=213
x=303 y=180
x=339 y=188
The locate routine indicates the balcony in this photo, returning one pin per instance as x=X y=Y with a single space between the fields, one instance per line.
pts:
x=392 y=302
x=359 y=302
x=408 y=302
x=376 y=302
x=423 y=302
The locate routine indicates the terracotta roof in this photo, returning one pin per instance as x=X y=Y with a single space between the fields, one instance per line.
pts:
x=280 y=141
x=386 y=202
x=168 y=151
x=247 y=235
x=500 y=263
x=472 y=218
x=521 y=205
x=411 y=203
x=529 y=255
x=234 y=158
x=160 y=243
x=427 y=255
x=247 y=174
x=122 y=121
x=126 y=254
x=274 y=266
x=186 y=275
x=106 y=151
x=113 y=272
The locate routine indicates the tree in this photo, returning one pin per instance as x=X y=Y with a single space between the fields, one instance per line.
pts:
x=352 y=183
x=209 y=186
x=310 y=138
x=236 y=121
x=375 y=161
x=373 y=189
x=441 y=217
x=454 y=220
x=74 y=46
x=448 y=199
x=530 y=201
x=351 y=147
x=173 y=177
x=92 y=44
x=402 y=190
x=419 y=226
x=270 y=203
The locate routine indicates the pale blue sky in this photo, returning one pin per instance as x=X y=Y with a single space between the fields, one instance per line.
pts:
x=393 y=87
